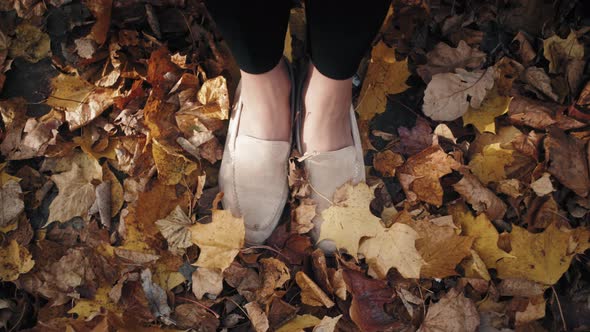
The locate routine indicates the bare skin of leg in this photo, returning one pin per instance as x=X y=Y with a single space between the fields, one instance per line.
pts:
x=326 y=125
x=267 y=111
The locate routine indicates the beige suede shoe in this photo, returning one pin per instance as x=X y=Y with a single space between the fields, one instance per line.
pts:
x=253 y=177
x=330 y=170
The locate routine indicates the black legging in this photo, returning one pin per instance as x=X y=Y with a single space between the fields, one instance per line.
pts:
x=339 y=32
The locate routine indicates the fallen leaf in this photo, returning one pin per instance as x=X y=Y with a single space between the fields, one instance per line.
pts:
x=401 y=253
x=299 y=323
x=543 y=186
x=449 y=95
x=172 y=166
x=219 y=241
x=520 y=287
x=480 y=197
x=540 y=81
x=386 y=162
x=486 y=236
x=421 y=173
x=567 y=161
x=369 y=297
x=81 y=101
x=484 y=118
x=416 y=139
x=385 y=76
x=350 y=219
x=156 y=297
x=445 y=59
x=214 y=99
x=76 y=191
x=16 y=260
x=86 y=308
x=11 y=203
x=560 y=51
x=303 y=216
x=535 y=310
x=193 y=316
x=327 y=324
x=474 y=267
x=454 y=312
x=176 y=229
x=274 y=274
x=207 y=281
x=542 y=257
x=311 y=293
x=30 y=43
x=257 y=317
x=101 y=10
x=489 y=166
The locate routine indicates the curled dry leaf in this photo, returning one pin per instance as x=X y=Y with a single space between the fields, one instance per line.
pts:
x=454 y=312
x=420 y=175
x=311 y=293
x=214 y=99
x=350 y=218
x=156 y=296
x=176 y=230
x=274 y=274
x=448 y=96
x=401 y=253
x=16 y=260
x=384 y=76
x=480 y=197
x=445 y=59
x=81 y=101
x=101 y=10
x=257 y=317
x=520 y=287
x=303 y=215
x=219 y=241
x=386 y=162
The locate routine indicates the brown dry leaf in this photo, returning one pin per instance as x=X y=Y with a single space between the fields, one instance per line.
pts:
x=176 y=230
x=543 y=185
x=525 y=50
x=274 y=274
x=11 y=203
x=303 y=215
x=369 y=297
x=542 y=257
x=214 y=99
x=420 y=175
x=219 y=241
x=76 y=191
x=480 y=197
x=350 y=218
x=449 y=95
x=385 y=76
x=440 y=247
x=38 y=134
x=16 y=260
x=327 y=324
x=299 y=323
x=30 y=43
x=560 y=51
x=485 y=234
x=445 y=59
x=475 y=267
x=393 y=247
x=172 y=166
x=101 y=10
x=194 y=316
x=116 y=189
x=520 y=287
x=567 y=161
x=540 y=81
x=207 y=281
x=454 y=312
x=386 y=162
x=81 y=101
x=484 y=118
x=311 y=293
x=416 y=139
x=257 y=317
x=535 y=310
x=489 y=166
x=5 y=177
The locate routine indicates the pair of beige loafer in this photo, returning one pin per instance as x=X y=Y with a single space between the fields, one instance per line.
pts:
x=253 y=174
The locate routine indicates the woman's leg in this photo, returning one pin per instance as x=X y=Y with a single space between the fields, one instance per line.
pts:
x=339 y=35
x=255 y=33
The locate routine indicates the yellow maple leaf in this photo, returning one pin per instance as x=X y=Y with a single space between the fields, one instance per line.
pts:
x=5 y=177
x=483 y=118
x=85 y=308
x=219 y=241
x=385 y=76
x=299 y=323
x=542 y=257
x=474 y=267
x=393 y=247
x=489 y=165
x=16 y=260
x=486 y=236
x=172 y=166
x=350 y=219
